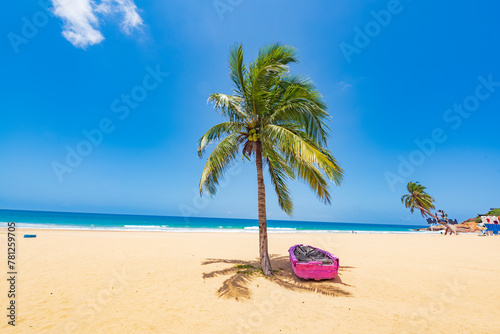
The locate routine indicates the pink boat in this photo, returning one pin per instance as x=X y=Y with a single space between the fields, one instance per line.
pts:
x=313 y=263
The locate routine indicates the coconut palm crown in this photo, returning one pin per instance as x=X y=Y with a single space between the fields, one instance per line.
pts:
x=417 y=198
x=277 y=119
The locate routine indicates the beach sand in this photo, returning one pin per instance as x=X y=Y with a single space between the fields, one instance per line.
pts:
x=144 y=282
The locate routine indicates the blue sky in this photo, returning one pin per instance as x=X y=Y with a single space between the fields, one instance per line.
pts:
x=413 y=88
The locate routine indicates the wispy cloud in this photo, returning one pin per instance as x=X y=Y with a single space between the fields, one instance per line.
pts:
x=82 y=18
x=126 y=9
x=343 y=85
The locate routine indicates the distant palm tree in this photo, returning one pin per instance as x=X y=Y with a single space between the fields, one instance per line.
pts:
x=276 y=118
x=418 y=199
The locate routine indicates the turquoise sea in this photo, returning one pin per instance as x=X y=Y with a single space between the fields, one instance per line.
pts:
x=121 y=222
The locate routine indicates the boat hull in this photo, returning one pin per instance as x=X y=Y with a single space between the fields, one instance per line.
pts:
x=315 y=270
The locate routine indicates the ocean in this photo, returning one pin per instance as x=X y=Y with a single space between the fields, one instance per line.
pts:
x=122 y=222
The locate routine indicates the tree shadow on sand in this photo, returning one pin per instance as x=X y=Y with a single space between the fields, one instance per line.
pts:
x=244 y=272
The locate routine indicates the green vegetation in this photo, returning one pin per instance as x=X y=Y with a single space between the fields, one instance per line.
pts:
x=494 y=212
x=251 y=270
x=245 y=272
x=418 y=199
x=279 y=120
x=244 y=266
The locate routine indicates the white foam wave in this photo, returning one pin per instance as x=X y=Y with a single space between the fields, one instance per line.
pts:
x=218 y=229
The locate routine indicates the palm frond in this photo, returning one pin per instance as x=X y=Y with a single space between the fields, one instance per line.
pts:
x=229 y=106
x=294 y=144
x=277 y=53
x=266 y=72
x=216 y=132
x=312 y=176
x=218 y=162
x=298 y=100
x=279 y=171
x=417 y=198
x=238 y=70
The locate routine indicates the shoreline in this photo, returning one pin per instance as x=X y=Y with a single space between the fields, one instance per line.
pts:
x=218 y=230
x=242 y=230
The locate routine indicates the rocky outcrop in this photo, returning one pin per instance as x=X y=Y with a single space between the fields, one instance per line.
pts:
x=468 y=226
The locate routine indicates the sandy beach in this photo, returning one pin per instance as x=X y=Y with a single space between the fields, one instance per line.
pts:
x=143 y=282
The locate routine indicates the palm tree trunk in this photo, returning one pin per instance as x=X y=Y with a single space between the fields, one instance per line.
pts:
x=264 y=255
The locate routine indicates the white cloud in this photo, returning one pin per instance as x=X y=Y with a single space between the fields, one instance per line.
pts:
x=130 y=17
x=344 y=85
x=81 y=18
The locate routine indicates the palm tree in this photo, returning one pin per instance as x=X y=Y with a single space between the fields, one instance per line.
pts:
x=276 y=118
x=417 y=198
